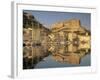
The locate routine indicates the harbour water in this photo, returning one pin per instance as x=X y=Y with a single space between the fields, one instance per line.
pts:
x=49 y=62
x=42 y=58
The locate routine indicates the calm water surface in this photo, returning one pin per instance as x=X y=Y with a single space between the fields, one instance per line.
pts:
x=43 y=58
x=49 y=62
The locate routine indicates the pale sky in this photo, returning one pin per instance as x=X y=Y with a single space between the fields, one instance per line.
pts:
x=50 y=17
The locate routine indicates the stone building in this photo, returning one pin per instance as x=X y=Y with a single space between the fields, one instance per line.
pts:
x=33 y=30
x=35 y=38
x=71 y=34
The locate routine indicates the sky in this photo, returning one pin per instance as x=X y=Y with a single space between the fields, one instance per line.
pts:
x=48 y=18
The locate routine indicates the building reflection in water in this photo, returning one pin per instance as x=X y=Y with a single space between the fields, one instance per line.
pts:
x=61 y=54
x=33 y=55
x=66 y=41
x=69 y=41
